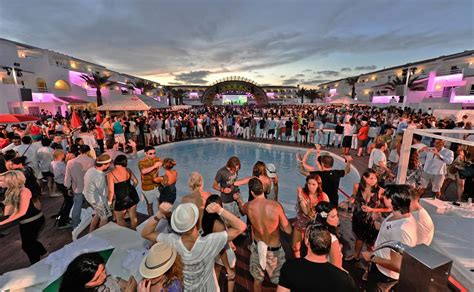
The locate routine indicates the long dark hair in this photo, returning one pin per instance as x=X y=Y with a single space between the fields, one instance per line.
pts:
x=208 y=219
x=322 y=212
x=413 y=162
x=317 y=178
x=363 y=183
x=259 y=169
x=80 y=271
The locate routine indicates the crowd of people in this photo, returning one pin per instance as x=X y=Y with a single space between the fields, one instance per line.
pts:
x=88 y=165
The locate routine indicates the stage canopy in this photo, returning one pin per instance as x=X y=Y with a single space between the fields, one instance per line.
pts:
x=134 y=103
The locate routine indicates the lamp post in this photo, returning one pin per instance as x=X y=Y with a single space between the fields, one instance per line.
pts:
x=405 y=89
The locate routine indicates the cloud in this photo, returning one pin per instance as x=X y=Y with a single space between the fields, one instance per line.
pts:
x=193 y=77
x=299 y=75
x=307 y=70
x=346 y=69
x=316 y=81
x=329 y=73
x=259 y=76
x=368 y=67
x=291 y=81
x=282 y=76
x=240 y=39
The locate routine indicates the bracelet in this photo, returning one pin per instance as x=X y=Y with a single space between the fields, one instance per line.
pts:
x=220 y=212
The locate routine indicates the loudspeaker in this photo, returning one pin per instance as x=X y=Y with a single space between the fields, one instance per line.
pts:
x=401 y=98
x=424 y=270
x=25 y=94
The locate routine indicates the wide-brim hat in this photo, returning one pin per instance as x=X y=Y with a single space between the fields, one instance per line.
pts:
x=184 y=217
x=160 y=259
x=271 y=170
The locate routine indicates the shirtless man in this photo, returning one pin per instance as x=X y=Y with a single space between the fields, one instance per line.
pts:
x=267 y=217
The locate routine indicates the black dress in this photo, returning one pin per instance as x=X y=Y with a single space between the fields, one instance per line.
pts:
x=363 y=222
x=125 y=198
x=31 y=225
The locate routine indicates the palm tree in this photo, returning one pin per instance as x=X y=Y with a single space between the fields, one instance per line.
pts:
x=167 y=90
x=352 y=81
x=178 y=95
x=314 y=94
x=397 y=81
x=143 y=85
x=97 y=81
x=302 y=93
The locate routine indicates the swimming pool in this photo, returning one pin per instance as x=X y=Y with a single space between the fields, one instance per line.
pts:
x=208 y=155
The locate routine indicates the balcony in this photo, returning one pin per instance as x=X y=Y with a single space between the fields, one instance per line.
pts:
x=449 y=72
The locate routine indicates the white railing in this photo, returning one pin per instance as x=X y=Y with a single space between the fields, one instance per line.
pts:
x=449 y=72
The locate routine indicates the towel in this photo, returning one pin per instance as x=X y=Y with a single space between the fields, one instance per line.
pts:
x=262 y=249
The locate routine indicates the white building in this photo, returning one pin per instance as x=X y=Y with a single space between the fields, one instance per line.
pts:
x=32 y=79
x=447 y=82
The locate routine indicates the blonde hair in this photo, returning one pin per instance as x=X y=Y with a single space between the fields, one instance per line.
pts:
x=195 y=181
x=14 y=180
x=57 y=153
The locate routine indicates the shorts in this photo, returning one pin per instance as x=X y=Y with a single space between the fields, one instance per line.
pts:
x=288 y=132
x=275 y=260
x=271 y=132
x=436 y=181
x=120 y=138
x=101 y=210
x=347 y=142
x=46 y=174
x=362 y=143
x=233 y=208
x=150 y=195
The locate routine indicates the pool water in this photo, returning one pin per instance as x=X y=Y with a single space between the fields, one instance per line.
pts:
x=207 y=156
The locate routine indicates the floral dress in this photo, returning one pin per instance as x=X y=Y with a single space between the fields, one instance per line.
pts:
x=363 y=222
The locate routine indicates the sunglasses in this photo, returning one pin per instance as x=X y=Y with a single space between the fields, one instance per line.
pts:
x=151 y=153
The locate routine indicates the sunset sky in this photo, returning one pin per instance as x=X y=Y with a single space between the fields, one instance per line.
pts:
x=270 y=42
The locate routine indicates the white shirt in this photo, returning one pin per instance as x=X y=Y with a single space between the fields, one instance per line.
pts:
x=348 y=129
x=58 y=169
x=425 y=226
x=402 y=230
x=376 y=156
x=44 y=156
x=29 y=151
x=437 y=164
x=95 y=186
x=198 y=272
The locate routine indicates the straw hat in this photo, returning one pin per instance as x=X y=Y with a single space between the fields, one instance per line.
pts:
x=184 y=217
x=159 y=260
x=271 y=170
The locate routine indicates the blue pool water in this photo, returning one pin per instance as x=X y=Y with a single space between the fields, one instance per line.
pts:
x=208 y=155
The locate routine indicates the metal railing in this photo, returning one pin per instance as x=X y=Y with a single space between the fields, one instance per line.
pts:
x=449 y=71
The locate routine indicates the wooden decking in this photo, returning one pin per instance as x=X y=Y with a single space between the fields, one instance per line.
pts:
x=12 y=257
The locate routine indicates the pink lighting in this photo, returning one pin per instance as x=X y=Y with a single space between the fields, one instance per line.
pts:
x=75 y=78
x=43 y=97
x=384 y=98
x=193 y=95
x=461 y=99
x=448 y=78
x=332 y=92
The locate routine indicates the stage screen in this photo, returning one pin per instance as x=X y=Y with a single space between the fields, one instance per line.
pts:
x=234 y=99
